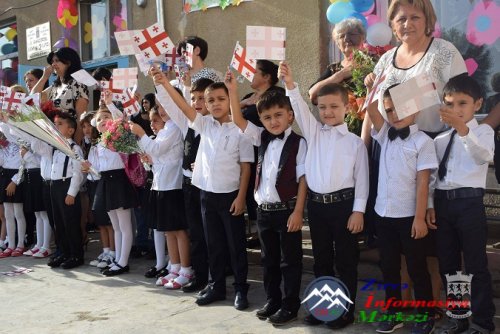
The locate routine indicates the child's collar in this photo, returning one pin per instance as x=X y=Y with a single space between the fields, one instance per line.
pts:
x=341 y=128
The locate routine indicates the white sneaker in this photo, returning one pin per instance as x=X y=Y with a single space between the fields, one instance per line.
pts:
x=95 y=262
x=106 y=261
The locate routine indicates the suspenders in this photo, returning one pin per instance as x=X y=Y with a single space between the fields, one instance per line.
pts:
x=66 y=162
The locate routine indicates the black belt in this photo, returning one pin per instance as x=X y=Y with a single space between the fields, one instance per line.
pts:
x=186 y=180
x=458 y=193
x=33 y=170
x=337 y=196
x=279 y=206
x=67 y=179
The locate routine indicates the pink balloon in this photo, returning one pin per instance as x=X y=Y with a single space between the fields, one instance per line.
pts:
x=471 y=65
x=369 y=11
x=372 y=19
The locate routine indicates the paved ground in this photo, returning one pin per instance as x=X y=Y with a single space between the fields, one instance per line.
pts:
x=84 y=301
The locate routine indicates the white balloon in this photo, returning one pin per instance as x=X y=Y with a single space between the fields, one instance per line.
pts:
x=379 y=34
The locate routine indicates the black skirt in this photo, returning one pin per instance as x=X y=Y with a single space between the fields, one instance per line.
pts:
x=167 y=210
x=5 y=179
x=101 y=217
x=114 y=191
x=33 y=188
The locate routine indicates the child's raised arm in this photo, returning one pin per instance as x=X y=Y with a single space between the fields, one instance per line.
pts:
x=375 y=117
x=160 y=79
x=232 y=87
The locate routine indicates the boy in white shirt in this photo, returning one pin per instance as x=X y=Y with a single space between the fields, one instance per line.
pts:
x=336 y=170
x=456 y=206
x=407 y=159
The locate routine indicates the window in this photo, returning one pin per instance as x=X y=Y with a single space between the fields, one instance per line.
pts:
x=99 y=19
x=8 y=54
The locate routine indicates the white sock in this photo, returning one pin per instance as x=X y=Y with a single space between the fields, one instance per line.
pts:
x=159 y=238
x=125 y=220
x=21 y=224
x=47 y=230
x=185 y=275
x=116 y=229
x=10 y=223
x=39 y=230
x=106 y=250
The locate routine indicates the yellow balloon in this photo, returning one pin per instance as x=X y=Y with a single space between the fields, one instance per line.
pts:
x=10 y=34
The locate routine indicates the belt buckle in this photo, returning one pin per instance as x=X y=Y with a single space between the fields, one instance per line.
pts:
x=450 y=194
x=325 y=198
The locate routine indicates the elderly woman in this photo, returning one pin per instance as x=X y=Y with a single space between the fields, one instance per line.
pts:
x=349 y=35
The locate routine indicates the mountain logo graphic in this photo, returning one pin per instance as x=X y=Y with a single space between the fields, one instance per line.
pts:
x=327 y=298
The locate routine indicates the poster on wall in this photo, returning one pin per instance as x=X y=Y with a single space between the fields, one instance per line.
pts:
x=196 y=5
x=38 y=41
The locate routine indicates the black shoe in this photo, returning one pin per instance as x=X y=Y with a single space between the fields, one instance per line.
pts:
x=151 y=273
x=240 y=301
x=71 y=263
x=194 y=286
x=56 y=262
x=204 y=291
x=312 y=321
x=210 y=297
x=162 y=272
x=119 y=271
x=282 y=317
x=267 y=310
x=341 y=322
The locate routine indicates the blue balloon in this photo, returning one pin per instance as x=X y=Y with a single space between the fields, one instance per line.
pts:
x=338 y=11
x=362 y=5
x=360 y=17
x=8 y=48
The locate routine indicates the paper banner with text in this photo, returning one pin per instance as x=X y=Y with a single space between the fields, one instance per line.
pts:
x=241 y=63
x=153 y=41
x=266 y=42
x=418 y=93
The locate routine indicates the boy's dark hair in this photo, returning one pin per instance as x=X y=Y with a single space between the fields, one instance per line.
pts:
x=271 y=99
x=101 y=73
x=464 y=84
x=216 y=85
x=177 y=89
x=69 y=57
x=200 y=85
x=334 y=89
x=68 y=117
x=268 y=67
x=387 y=93
x=195 y=41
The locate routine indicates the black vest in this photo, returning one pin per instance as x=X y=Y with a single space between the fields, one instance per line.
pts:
x=191 y=144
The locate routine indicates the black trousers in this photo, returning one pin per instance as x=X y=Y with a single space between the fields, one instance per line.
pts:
x=281 y=257
x=225 y=236
x=394 y=235
x=462 y=228
x=199 y=251
x=328 y=225
x=66 y=220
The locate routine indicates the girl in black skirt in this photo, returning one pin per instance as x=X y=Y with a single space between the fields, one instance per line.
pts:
x=166 y=153
x=114 y=194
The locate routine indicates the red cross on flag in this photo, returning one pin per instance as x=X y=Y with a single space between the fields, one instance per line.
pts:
x=124 y=77
x=12 y=101
x=130 y=104
x=242 y=64
x=153 y=41
x=125 y=41
x=188 y=54
x=172 y=58
x=266 y=42
x=110 y=85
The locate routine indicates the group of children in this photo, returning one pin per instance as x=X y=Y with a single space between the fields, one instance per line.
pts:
x=201 y=159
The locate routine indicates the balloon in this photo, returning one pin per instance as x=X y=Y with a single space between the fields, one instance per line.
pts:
x=8 y=48
x=10 y=34
x=379 y=34
x=359 y=17
x=372 y=19
x=369 y=11
x=362 y=5
x=334 y=1
x=338 y=11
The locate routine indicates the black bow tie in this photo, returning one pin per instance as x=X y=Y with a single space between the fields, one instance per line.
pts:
x=401 y=133
x=280 y=136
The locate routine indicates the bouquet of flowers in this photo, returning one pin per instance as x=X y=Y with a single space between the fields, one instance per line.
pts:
x=118 y=137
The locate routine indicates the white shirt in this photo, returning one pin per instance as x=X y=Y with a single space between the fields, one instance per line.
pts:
x=336 y=159
x=400 y=160
x=222 y=148
x=441 y=61
x=267 y=192
x=176 y=115
x=106 y=159
x=468 y=160
x=31 y=160
x=166 y=151
x=73 y=171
